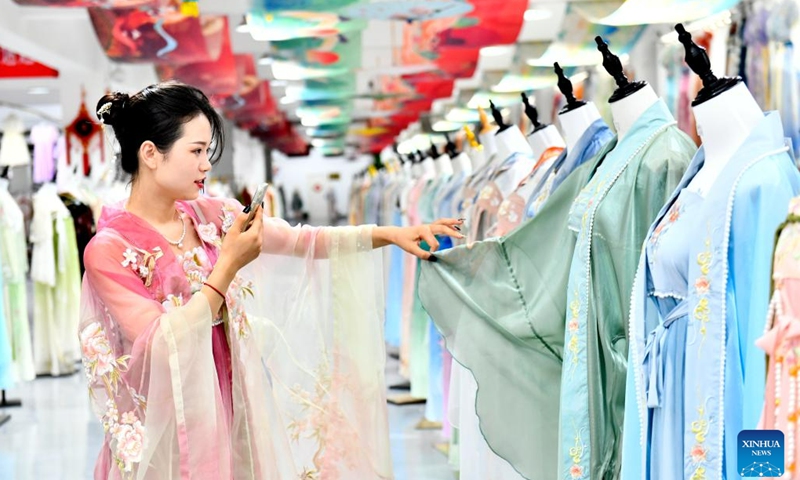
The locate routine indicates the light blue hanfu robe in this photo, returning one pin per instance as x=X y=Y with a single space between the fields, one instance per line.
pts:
x=610 y=217
x=587 y=146
x=723 y=312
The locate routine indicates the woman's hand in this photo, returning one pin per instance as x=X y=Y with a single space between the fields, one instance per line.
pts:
x=240 y=248
x=409 y=238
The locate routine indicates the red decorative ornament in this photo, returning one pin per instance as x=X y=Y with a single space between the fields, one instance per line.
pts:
x=83 y=128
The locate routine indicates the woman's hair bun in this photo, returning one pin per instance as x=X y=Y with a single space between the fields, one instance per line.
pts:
x=111 y=106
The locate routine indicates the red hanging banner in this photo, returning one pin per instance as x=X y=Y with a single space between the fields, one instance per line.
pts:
x=13 y=65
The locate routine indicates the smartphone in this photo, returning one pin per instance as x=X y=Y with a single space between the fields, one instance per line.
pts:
x=257 y=199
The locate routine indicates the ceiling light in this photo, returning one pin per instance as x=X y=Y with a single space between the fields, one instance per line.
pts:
x=287 y=100
x=266 y=60
x=38 y=91
x=535 y=14
x=278 y=83
x=579 y=77
x=495 y=50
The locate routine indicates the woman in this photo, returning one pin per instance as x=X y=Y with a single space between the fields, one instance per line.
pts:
x=214 y=353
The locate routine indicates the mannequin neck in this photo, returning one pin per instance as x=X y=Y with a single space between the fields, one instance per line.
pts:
x=511 y=141
x=575 y=122
x=461 y=164
x=428 y=168
x=725 y=121
x=407 y=169
x=477 y=158
x=416 y=171
x=3 y=184
x=626 y=111
x=489 y=144
x=444 y=166
x=543 y=139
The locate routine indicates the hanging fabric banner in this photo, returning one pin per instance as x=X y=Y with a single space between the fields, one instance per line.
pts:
x=13 y=65
x=575 y=45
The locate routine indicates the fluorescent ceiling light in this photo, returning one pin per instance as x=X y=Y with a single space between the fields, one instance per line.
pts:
x=38 y=91
x=265 y=60
x=535 y=14
x=278 y=83
x=496 y=50
x=287 y=100
x=579 y=77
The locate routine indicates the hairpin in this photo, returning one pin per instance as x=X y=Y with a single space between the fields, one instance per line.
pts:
x=103 y=110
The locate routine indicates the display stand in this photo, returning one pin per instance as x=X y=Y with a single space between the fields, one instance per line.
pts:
x=6 y=403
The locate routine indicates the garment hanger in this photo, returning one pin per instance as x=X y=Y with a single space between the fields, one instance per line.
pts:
x=565 y=86
x=532 y=114
x=697 y=59
x=498 y=118
x=613 y=66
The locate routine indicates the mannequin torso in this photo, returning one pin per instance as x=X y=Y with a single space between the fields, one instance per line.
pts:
x=543 y=139
x=428 y=168
x=489 y=143
x=575 y=122
x=510 y=142
x=723 y=123
x=627 y=110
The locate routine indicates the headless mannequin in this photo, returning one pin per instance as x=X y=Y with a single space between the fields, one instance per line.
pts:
x=428 y=166
x=460 y=161
x=725 y=112
x=442 y=163
x=509 y=138
x=631 y=99
x=577 y=115
x=475 y=151
x=486 y=136
x=543 y=136
x=3 y=183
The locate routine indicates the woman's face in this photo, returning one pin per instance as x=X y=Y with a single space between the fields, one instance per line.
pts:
x=182 y=172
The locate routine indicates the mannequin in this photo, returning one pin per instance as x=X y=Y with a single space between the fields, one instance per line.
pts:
x=725 y=112
x=543 y=136
x=444 y=166
x=486 y=136
x=460 y=161
x=630 y=100
x=509 y=138
x=577 y=115
x=475 y=151
x=428 y=166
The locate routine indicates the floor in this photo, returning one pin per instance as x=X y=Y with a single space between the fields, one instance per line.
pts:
x=54 y=435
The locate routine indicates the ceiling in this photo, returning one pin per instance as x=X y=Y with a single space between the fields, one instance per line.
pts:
x=321 y=85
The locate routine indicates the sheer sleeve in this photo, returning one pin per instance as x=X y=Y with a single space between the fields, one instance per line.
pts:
x=151 y=371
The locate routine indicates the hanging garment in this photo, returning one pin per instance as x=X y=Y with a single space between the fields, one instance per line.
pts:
x=484 y=298
x=511 y=211
x=13 y=146
x=781 y=339
x=507 y=304
x=6 y=360
x=14 y=266
x=725 y=299
x=306 y=369
x=55 y=272
x=587 y=146
x=501 y=183
x=610 y=217
x=44 y=137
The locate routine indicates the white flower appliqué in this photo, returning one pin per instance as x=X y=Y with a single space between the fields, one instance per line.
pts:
x=130 y=258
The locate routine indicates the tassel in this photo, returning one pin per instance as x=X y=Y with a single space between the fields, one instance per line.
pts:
x=190 y=8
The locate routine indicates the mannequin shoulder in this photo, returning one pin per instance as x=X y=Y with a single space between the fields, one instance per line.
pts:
x=770 y=175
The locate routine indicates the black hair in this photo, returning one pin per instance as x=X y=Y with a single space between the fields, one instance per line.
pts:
x=156 y=113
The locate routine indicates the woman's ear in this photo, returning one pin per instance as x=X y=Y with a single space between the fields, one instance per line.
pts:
x=149 y=154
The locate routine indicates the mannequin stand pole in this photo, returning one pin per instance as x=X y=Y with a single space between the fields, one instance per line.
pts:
x=6 y=403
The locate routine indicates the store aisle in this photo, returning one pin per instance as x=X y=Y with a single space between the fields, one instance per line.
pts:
x=56 y=436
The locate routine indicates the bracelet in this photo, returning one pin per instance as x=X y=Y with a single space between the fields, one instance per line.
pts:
x=215 y=289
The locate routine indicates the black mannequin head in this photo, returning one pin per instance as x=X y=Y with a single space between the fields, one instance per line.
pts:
x=565 y=86
x=532 y=114
x=434 y=151
x=613 y=66
x=697 y=59
x=420 y=156
x=498 y=118
x=450 y=148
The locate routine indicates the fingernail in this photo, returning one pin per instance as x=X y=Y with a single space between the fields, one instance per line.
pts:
x=432 y=258
x=246 y=209
x=262 y=204
x=457 y=227
x=462 y=219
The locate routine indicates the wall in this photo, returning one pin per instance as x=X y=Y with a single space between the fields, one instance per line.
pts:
x=301 y=173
